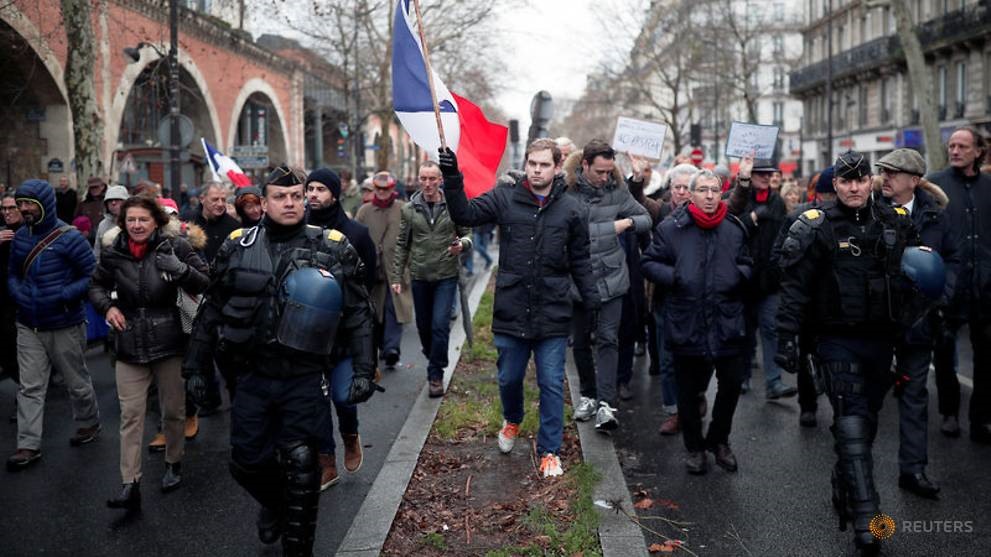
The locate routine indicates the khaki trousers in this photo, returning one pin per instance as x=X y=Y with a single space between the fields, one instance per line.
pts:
x=133 y=382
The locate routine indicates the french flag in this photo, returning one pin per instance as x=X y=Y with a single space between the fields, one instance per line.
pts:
x=224 y=167
x=478 y=143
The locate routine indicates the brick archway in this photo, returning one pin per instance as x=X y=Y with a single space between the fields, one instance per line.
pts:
x=130 y=76
x=262 y=87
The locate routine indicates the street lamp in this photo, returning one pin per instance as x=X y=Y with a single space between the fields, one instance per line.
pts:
x=134 y=54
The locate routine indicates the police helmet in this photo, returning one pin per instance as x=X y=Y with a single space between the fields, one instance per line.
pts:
x=925 y=269
x=312 y=301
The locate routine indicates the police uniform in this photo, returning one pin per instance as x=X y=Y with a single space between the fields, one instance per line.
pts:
x=263 y=311
x=842 y=274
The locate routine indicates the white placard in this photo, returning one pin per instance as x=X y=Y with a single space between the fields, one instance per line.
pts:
x=751 y=138
x=639 y=137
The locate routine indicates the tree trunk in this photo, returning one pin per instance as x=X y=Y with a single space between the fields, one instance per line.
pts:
x=383 y=154
x=79 y=73
x=922 y=85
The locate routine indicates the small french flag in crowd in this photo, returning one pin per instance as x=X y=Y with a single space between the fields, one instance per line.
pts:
x=224 y=168
x=478 y=143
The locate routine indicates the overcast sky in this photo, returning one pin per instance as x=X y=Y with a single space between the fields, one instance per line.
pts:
x=572 y=37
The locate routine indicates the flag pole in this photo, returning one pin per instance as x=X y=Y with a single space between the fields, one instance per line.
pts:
x=430 y=74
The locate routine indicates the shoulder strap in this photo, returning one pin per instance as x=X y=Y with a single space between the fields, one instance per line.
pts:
x=40 y=246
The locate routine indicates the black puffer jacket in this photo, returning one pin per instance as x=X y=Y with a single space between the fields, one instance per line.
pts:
x=969 y=215
x=541 y=250
x=704 y=273
x=771 y=215
x=148 y=301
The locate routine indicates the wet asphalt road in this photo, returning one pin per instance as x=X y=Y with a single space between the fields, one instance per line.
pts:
x=778 y=502
x=57 y=507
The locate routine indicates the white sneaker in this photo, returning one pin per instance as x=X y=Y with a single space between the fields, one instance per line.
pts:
x=550 y=465
x=605 y=418
x=507 y=436
x=585 y=409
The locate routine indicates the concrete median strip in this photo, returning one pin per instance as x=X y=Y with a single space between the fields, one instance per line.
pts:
x=372 y=523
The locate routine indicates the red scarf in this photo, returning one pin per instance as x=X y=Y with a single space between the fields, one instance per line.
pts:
x=762 y=195
x=137 y=250
x=708 y=222
x=384 y=203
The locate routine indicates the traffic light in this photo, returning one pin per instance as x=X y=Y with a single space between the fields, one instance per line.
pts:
x=696 y=135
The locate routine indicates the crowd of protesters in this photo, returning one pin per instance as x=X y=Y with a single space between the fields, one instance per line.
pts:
x=699 y=271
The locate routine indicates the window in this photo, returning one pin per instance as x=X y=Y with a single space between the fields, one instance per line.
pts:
x=961 y=89
x=778 y=45
x=863 y=29
x=987 y=80
x=862 y=105
x=779 y=113
x=941 y=91
x=886 y=25
x=885 y=101
x=779 y=78
x=840 y=36
x=779 y=11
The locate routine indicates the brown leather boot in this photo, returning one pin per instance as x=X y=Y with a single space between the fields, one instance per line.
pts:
x=157 y=443
x=352 y=452
x=192 y=427
x=328 y=471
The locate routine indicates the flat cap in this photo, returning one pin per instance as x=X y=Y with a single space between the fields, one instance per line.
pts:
x=903 y=160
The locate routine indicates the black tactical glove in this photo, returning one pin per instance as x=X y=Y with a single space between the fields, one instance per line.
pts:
x=196 y=389
x=168 y=263
x=448 y=163
x=787 y=357
x=362 y=389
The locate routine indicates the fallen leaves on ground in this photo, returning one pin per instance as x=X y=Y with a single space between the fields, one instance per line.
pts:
x=667 y=547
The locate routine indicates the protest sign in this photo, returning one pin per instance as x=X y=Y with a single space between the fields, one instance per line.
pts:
x=751 y=138
x=639 y=137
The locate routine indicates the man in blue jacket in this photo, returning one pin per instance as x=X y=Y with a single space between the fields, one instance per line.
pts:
x=49 y=274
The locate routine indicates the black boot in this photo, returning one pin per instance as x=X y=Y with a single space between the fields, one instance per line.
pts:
x=129 y=498
x=173 y=477
x=269 y=526
x=302 y=500
x=857 y=468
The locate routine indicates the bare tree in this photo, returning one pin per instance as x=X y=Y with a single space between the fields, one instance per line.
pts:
x=922 y=84
x=79 y=73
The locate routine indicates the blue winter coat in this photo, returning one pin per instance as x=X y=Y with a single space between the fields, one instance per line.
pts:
x=50 y=294
x=703 y=274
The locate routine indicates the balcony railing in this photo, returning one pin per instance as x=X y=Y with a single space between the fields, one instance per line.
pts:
x=956 y=26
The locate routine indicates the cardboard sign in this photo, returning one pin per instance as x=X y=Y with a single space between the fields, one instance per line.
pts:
x=639 y=137
x=751 y=138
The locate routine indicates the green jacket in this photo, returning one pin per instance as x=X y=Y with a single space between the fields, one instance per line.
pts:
x=424 y=241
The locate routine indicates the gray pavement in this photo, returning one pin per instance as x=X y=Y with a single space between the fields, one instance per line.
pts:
x=778 y=502
x=57 y=507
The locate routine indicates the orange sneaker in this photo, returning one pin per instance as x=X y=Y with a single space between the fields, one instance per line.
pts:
x=550 y=465
x=507 y=436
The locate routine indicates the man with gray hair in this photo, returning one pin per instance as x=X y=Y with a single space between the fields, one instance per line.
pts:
x=213 y=218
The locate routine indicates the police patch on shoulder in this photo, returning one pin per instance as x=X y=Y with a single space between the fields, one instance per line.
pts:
x=235 y=234
x=902 y=211
x=335 y=235
x=812 y=214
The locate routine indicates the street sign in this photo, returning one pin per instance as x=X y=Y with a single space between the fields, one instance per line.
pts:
x=185 y=131
x=55 y=165
x=252 y=161
x=697 y=156
x=249 y=150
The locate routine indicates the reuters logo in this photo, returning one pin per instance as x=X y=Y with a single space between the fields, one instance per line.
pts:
x=882 y=526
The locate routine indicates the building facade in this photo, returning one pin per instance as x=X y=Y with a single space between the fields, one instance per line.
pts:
x=874 y=106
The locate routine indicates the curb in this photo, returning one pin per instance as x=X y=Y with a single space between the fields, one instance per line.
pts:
x=371 y=525
x=618 y=535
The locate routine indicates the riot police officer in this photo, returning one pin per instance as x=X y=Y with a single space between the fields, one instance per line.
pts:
x=842 y=275
x=285 y=302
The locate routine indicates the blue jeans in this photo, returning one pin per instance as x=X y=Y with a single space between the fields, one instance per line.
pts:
x=764 y=320
x=669 y=384
x=548 y=354
x=433 y=301
x=347 y=414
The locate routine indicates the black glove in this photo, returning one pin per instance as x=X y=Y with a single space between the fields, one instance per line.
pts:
x=761 y=212
x=448 y=163
x=167 y=262
x=787 y=357
x=196 y=389
x=362 y=389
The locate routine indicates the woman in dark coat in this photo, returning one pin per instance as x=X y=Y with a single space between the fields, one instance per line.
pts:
x=698 y=257
x=146 y=266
